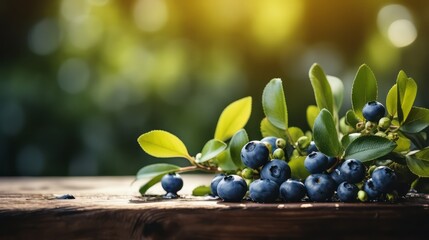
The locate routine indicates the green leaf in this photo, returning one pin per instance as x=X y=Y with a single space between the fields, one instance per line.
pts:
x=423 y=154
x=237 y=142
x=268 y=129
x=201 y=191
x=391 y=101
x=162 y=144
x=312 y=112
x=224 y=161
x=325 y=134
x=347 y=139
x=407 y=91
x=233 y=118
x=417 y=120
x=417 y=166
x=298 y=170
x=403 y=144
x=154 y=170
x=337 y=88
x=351 y=118
x=321 y=87
x=295 y=133
x=368 y=148
x=274 y=104
x=364 y=89
x=211 y=149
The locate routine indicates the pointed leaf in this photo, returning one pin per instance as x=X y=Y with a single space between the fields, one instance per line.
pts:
x=154 y=170
x=211 y=149
x=368 y=148
x=325 y=134
x=233 y=118
x=347 y=139
x=162 y=144
x=364 y=89
x=295 y=133
x=312 y=112
x=237 y=142
x=201 y=191
x=337 y=88
x=407 y=91
x=268 y=129
x=274 y=104
x=417 y=166
x=417 y=120
x=351 y=118
x=423 y=154
x=391 y=101
x=321 y=87
x=403 y=144
x=297 y=167
x=143 y=189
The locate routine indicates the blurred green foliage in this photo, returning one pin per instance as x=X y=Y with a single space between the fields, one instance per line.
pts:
x=80 y=80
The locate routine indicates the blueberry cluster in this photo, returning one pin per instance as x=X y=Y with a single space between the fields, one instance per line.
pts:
x=268 y=178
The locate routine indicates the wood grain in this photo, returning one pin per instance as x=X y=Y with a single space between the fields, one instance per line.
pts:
x=108 y=208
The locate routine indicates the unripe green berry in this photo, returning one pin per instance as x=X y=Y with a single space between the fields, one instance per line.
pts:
x=369 y=125
x=384 y=123
x=279 y=154
x=280 y=143
x=238 y=172
x=303 y=142
x=362 y=196
x=360 y=126
x=381 y=134
x=247 y=173
x=248 y=181
x=270 y=148
x=371 y=169
x=295 y=153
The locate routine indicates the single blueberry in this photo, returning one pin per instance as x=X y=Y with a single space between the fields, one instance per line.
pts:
x=373 y=111
x=320 y=187
x=312 y=147
x=272 y=141
x=292 y=190
x=254 y=154
x=263 y=190
x=232 y=188
x=384 y=179
x=215 y=182
x=352 y=171
x=331 y=162
x=276 y=170
x=316 y=162
x=172 y=182
x=370 y=190
x=347 y=192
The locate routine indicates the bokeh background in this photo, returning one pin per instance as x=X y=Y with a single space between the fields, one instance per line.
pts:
x=80 y=80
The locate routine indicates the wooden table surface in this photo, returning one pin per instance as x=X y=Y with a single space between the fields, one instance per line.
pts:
x=110 y=208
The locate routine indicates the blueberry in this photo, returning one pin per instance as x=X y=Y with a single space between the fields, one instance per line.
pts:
x=369 y=188
x=312 y=147
x=331 y=161
x=215 y=182
x=316 y=162
x=276 y=170
x=373 y=111
x=272 y=141
x=320 y=187
x=172 y=182
x=336 y=176
x=232 y=188
x=263 y=191
x=384 y=179
x=254 y=154
x=292 y=190
x=352 y=171
x=347 y=192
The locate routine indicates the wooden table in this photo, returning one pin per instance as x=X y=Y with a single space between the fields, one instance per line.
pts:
x=109 y=208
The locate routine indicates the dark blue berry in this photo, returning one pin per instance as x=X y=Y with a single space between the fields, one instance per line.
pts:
x=232 y=188
x=373 y=111
x=263 y=190
x=336 y=176
x=312 y=147
x=272 y=141
x=172 y=182
x=292 y=191
x=276 y=170
x=254 y=154
x=316 y=162
x=384 y=179
x=347 y=192
x=320 y=187
x=370 y=190
x=215 y=182
x=352 y=171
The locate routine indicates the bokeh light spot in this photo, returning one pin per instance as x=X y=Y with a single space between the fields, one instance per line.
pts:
x=75 y=10
x=402 y=33
x=44 y=38
x=73 y=75
x=150 y=15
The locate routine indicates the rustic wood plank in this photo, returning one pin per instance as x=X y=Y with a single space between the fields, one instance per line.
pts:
x=107 y=207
